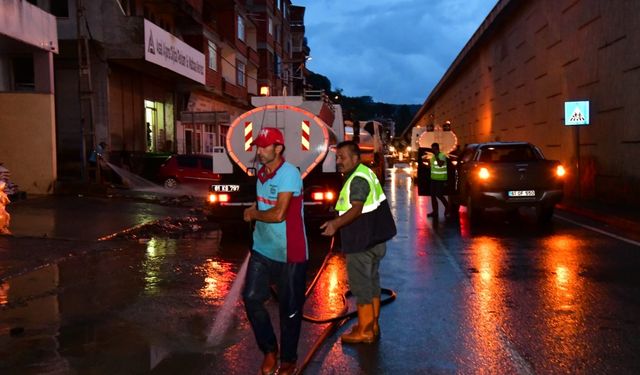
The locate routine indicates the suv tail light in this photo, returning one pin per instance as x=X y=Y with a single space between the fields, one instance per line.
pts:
x=560 y=171
x=484 y=174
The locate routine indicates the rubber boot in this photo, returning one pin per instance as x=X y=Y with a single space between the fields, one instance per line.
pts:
x=362 y=332
x=376 y=315
x=269 y=363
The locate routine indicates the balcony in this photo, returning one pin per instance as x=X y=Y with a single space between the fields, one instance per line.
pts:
x=234 y=91
x=254 y=57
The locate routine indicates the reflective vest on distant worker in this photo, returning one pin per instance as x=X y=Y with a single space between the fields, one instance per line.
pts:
x=375 y=197
x=439 y=173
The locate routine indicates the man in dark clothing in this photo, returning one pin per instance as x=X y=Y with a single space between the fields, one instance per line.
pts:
x=365 y=223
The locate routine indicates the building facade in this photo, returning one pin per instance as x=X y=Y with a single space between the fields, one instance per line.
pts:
x=150 y=78
x=28 y=44
x=512 y=79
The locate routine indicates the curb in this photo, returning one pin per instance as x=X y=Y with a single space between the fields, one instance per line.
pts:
x=618 y=222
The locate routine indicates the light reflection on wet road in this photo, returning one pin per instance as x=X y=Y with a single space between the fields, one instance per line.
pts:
x=506 y=296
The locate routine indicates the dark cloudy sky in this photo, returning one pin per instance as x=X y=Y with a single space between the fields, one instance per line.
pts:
x=393 y=50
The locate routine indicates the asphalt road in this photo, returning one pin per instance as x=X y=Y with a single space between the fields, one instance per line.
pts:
x=505 y=296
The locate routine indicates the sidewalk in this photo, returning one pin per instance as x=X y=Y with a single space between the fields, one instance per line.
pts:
x=621 y=218
x=80 y=217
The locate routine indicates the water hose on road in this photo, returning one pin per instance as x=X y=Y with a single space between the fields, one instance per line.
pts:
x=337 y=321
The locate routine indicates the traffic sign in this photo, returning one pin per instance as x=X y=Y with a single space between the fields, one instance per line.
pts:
x=576 y=113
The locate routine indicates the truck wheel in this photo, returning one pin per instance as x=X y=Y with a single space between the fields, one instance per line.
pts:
x=474 y=213
x=170 y=183
x=544 y=214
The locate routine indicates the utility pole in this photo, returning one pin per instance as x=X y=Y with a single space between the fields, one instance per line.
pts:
x=85 y=90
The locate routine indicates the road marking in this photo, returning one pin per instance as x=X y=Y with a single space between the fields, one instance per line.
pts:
x=519 y=362
x=623 y=239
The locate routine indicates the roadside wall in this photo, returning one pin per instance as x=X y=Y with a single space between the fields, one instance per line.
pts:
x=529 y=59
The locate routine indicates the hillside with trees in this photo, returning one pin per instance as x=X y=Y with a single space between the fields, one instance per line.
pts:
x=364 y=107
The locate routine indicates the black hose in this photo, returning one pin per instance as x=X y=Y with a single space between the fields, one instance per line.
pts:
x=337 y=321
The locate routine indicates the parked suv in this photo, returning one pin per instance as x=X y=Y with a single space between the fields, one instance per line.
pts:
x=188 y=170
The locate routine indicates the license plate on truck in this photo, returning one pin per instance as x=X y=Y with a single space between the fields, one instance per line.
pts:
x=225 y=188
x=522 y=193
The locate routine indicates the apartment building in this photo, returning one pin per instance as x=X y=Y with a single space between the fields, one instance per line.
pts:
x=275 y=46
x=27 y=111
x=151 y=78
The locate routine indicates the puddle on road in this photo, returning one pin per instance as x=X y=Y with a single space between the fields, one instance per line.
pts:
x=117 y=311
x=126 y=310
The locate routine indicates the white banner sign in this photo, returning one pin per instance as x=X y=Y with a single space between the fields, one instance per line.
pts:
x=164 y=49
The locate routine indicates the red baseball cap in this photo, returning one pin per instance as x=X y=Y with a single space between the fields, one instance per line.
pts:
x=267 y=137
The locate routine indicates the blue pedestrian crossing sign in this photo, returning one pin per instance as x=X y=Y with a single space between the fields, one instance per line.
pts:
x=576 y=113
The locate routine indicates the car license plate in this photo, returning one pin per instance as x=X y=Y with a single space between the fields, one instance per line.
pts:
x=522 y=193
x=225 y=188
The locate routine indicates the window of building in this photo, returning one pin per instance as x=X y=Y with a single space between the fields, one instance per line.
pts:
x=240 y=73
x=223 y=135
x=278 y=4
x=270 y=27
x=241 y=34
x=23 y=74
x=276 y=65
x=213 y=56
x=60 y=8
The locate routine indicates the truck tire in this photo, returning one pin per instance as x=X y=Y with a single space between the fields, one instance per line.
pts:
x=474 y=213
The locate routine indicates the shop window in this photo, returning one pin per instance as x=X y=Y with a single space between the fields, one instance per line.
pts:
x=223 y=135
x=213 y=56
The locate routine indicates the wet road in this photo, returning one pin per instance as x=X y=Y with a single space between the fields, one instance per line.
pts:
x=506 y=296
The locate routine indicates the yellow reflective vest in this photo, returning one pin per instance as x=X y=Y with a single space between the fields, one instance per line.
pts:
x=375 y=197
x=439 y=173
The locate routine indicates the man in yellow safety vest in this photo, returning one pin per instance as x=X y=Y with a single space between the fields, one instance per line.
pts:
x=365 y=223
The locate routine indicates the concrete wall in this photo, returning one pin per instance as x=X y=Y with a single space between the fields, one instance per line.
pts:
x=29 y=24
x=528 y=61
x=27 y=148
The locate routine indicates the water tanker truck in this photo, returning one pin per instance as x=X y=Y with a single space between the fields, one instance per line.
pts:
x=311 y=130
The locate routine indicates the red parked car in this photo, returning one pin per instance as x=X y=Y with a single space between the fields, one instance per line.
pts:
x=188 y=170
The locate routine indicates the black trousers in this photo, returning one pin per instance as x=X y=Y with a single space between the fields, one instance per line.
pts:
x=437 y=192
x=290 y=281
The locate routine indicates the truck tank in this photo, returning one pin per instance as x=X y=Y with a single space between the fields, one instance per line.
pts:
x=307 y=137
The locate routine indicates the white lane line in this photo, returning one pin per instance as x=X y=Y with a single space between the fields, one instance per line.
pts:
x=623 y=239
x=520 y=363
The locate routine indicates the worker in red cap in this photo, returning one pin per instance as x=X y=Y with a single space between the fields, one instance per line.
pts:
x=279 y=255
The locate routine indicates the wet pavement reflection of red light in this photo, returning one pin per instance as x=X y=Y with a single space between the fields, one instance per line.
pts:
x=219 y=277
